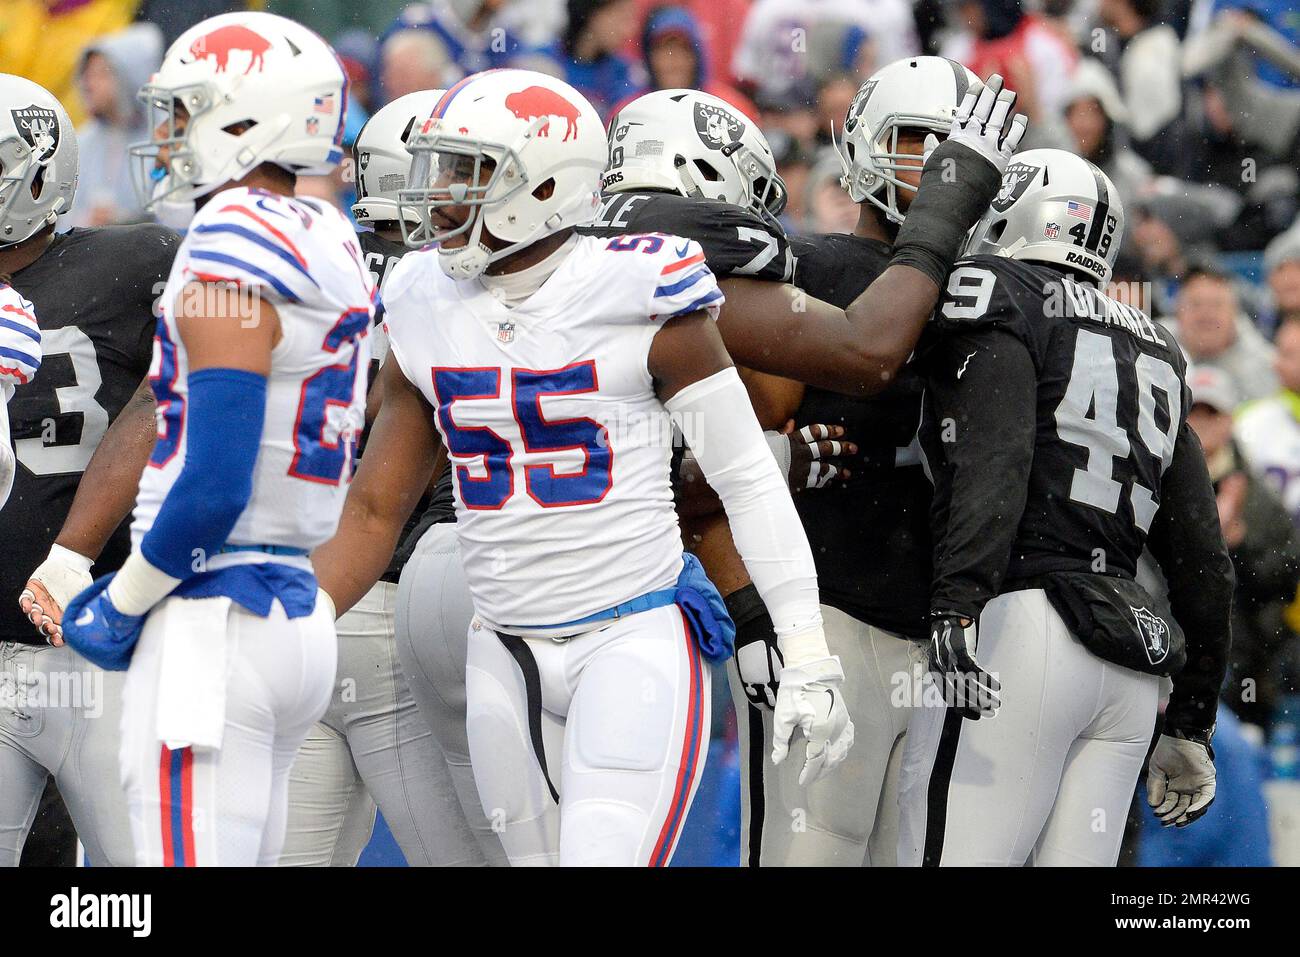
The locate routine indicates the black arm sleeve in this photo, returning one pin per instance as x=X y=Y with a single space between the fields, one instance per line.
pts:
x=1187 y=542
x=981 y=390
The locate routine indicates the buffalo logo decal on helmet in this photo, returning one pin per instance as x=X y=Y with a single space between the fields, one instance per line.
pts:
x=717 y=127
x=537 y=102
x=223 y=41
x=859 y=104
x=1014 y=183
x=39 y=126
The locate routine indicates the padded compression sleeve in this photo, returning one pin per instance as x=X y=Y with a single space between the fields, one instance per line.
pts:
x=225 y=411
x=718 y=421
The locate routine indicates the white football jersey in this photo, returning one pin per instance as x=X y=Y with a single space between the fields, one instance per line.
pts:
x=20 y=341
x=302 y=257
x=559 y=446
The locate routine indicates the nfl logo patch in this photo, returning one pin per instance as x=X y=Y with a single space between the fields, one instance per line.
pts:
x=313 y=126
x=506 y=332
x=1052 y=230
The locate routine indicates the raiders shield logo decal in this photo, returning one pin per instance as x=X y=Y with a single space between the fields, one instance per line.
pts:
x=1014 y=183
x=859 y=102
x=717 y=127
x=1154 y=633
x=39 y=126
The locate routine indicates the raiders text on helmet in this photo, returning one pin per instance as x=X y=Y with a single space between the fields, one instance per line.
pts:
x=919 y=93
x=383 y=163
x=236 y=91
x=1054 y=207
x=522 y=150
x=694 y=144
x=38 y=159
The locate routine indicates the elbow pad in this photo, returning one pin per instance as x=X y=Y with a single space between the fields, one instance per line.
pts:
x=225 y=409
x=718 y=422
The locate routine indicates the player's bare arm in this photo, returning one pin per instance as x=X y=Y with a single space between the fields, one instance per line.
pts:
x=400 y=460
x=103 y=501
x=858 y=350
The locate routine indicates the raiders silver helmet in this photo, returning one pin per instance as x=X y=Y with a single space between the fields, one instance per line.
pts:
x=693 y=144
x=918 y=93
x=382 y=160
x=1054 y=207
x=38 y=159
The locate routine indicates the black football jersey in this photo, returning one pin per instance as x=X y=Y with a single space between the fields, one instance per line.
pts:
x=1091 y=409
x=94 y=291
x=870 y=536
x=736 y=242
x=381 y=255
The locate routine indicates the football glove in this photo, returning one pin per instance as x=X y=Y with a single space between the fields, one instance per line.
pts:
x=810 y=698
x=967 y=686
x=980 y=124
x=98 y=631
x=1180 y=778
x=56 y=581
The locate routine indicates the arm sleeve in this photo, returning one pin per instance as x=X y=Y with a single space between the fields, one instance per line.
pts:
x=715 y=416
x=249 y=240
x=7 y=462
x=980 y=417
x=1187 y=542
x=20 y=338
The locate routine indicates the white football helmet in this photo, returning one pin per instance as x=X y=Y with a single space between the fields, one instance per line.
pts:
x=38 y=159
x=917 y=93
x=533 y=130
x=383 y=163
x=1054 y=207
x=254 y=88
x=693 y=144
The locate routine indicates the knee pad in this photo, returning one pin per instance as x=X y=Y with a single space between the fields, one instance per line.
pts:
x=623 y=716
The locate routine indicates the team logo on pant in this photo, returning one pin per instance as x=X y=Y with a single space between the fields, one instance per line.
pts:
x=1154 y=633
x=1014 y=183
x=717 y=127
x=39 y=126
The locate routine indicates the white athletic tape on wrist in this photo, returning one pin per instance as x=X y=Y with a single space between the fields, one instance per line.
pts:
x=138 y=586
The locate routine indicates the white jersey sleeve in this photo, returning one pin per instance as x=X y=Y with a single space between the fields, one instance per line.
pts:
x=20 y=341
x=684 y=282
x=248 y=238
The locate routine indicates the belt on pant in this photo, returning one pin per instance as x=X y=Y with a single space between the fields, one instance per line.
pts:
x=264 y=549
x=647 y=602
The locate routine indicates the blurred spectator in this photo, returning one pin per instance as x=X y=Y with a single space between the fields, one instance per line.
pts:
x=414 y=60
x=1212 y=330
x=1249 y=49
x=473 y=35
x=112 y=71
x=675 y=58
x=828 y=206
x=786 y=41
x=42 y=41
x=1000 y=37
x=359 y=52
x=1264 y=546
x=1282 y=267
x=1150 y=80
x=1097 y=119
x=1234 y=831
x=1269 y=430
x=174 y=17
x=834 y=97
x=595 y=65
x=719 y=22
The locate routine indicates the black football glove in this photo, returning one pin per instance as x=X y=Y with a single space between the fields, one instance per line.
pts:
x=967 y=687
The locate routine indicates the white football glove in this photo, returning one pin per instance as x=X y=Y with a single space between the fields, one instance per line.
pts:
x=56 y=581
x=980 y=124
x=1180 y=779
x=810 y=698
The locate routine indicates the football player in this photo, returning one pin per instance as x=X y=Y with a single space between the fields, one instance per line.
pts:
x=553 y=393
x=373 y=746
x=1055 y=430
x=73 y=425
x=259 y=369
x=20 y=357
